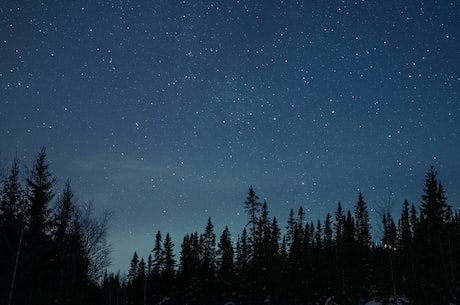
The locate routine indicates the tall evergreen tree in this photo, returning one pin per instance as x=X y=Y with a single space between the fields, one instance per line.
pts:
x=12 y=206
x=133 y=269
x=38 y=237
x=327 y=240
x=363 y=236
x=133 y=281
x=65 y=213
x=225 y=266
x=252 y=206
x=404 y=229
x=339 y=224
x=12 y=203
x=70 y=261
x=209 y=249
x=169 y=264
x=290 y=228
x=157 y=255
x=389 y=232
x=242 y=265
x=39 y=194
x=434 y=209
x=389 y=244
x=208 y=264
x=432 y=240
x=351 y=260
x=189 y=269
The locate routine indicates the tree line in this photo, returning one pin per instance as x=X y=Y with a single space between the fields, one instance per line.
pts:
x=54 y=251
x=51 y=251
x=334 y=261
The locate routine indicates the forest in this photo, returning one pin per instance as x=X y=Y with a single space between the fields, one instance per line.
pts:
x=54 y=251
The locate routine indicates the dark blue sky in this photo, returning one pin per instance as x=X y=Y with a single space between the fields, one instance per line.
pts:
x=164 y=112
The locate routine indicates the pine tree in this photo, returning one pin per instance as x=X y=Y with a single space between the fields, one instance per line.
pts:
x=169 y=264
x=133 y=270
x=208 y=264
x=157 y=255
x=70 y=259
x=389 y=243
x=432 y=239
x=209 y=249
x=39 y=194
x=389 y=234
x=434 y=208
x=327 y=241
x=64 y=214
x=242 y=265
x=339 y=248
x=225 y=266
x=363 y=226
x=290 y=228
x=11 y=199
x=133 y=281
x=351 y=260
x=252 y=206
x=38 y=237
x=319 y=236
x=149 y=266
x=404 y=229
x=12 y=206
x=141 y=291
x=189 y=269
x=339 y=224
x=363 y=241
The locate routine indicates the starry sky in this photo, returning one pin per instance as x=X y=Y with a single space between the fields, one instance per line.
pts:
x=165 y=112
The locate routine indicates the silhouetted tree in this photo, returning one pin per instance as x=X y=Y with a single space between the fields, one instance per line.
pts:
x=168 y=271
x=432 y=242
x=363 y=236
x=208 y=264
x=252 y=206
x=70 y=261
x=225 y=266
x=38 y=238
x=12 y=226
x=94 y=230
x=133 y=281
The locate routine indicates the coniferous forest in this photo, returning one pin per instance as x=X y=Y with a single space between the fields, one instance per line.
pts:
x=55 y=252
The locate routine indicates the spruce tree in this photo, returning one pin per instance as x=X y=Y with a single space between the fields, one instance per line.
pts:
x=339 y=226
x=40 y=194
x=404 y=229
x=133 y=281
x=327 y=239
x=208 y=264
x=252 y=206
x=12 y=204
x=133 y=270
x=169 y=264
x=12 y=225
x=363 y=236
x=38 y=237
x=70 y=261
x=189 y=269
x=432 y=240
x=225 y=267
x=157 y=255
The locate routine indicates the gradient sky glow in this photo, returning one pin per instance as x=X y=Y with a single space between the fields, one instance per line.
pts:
x=164 y=112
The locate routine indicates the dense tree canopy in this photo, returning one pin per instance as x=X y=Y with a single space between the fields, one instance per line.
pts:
x=45 y=256
x=56 y=252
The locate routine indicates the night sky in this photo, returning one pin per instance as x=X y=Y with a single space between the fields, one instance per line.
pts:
x=165 y=112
